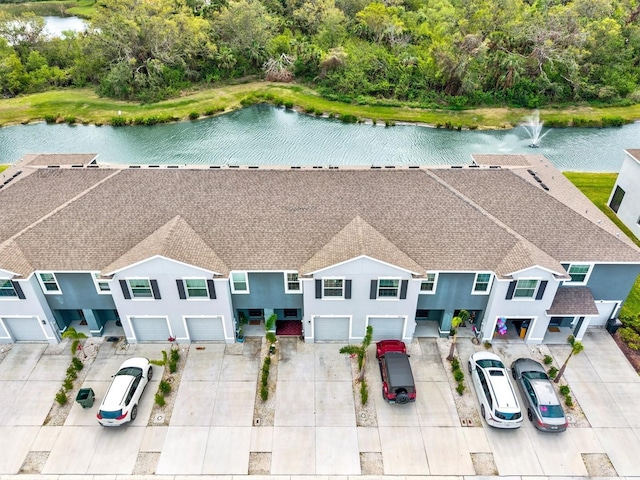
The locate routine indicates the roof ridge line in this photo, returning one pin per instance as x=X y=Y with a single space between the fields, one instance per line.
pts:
x=59 y=208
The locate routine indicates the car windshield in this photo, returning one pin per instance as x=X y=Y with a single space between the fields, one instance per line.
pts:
x=536 y=375
x=113 y=414
x=488 y=363
x=131 y=371
x=551 y=411
x=508 y=416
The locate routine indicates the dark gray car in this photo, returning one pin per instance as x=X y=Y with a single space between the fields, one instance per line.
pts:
x=543 y=406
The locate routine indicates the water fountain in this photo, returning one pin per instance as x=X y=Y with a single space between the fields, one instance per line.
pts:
x=533 y=126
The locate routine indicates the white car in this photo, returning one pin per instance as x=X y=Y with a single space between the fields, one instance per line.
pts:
x=120 y=403
x=498 y=402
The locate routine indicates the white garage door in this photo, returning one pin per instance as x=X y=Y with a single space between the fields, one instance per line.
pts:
x=150 y=329
x=387 y=328
x=24 y=329
x=205 y=329
x=605 y=311
x=331 y=329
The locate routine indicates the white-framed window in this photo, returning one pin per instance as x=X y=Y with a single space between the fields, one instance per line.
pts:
x=196 y=288
x=333 y=288
x=579 y=273
x=239 y=282
x=6 y=289
x=140 y=287
x=102 y=285
x=49 y=282
x=482 y=283
x=428 y=284
x=525 y=288
x=292 y=283
x=388 y=288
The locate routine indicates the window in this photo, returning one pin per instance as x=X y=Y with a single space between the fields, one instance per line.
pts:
x=196 y=288
x=616 y=200
x=333 y=287
x=239 y=282
x=428 y=285
x=140 y=288
x=291 y=283
x=102 y=285
x=49 y=282
x=290 y=313
x=525 y=289
x=388 y=287
x=579 y=273
x=6 y=289
x=482 y=283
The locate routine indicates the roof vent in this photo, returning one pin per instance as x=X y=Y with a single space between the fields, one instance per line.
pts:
x=154 y=166
x=53 y=166
x=317 y=166
x=389 y=166
x=172 y=166
x=234 y=166
x=494 y=166
x=17 y=173
x=253 y=166
x=214 y=166
x=295 y=167
x=134 y=166
x=544 y=186
x=531 y=172
x=456 y=166
x=375 y=167
x=414 y=166
x=537 y=179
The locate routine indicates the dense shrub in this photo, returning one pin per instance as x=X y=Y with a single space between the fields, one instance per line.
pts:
x=164 y=387
x=160 y=401
x=548 y=360
x=77 y=363
x=553 y=371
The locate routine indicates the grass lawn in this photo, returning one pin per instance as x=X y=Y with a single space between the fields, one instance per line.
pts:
x=597 y=187
x=3 y=167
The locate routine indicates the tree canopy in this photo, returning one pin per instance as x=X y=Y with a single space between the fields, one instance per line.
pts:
x=431 y=52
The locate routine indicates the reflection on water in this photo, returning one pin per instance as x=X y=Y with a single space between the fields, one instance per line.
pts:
x=54 y=26
x=265 y=135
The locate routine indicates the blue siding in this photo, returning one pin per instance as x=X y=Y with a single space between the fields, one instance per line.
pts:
x=453 y=292
x=612 y=282
x=78 y=292
x=267 y=291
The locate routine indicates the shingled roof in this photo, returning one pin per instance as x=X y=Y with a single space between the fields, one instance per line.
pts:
x=469 y=219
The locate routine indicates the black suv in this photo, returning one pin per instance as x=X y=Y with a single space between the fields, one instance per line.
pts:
x=397 y=378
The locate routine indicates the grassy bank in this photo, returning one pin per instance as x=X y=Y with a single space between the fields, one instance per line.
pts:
x=597 y=187
x=81 y=8
x=84 y=106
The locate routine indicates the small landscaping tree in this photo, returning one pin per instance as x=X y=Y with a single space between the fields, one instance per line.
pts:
x=360 y=351
x=270 y=328
x=456 y=321
x=76 y=339
x=576 y=348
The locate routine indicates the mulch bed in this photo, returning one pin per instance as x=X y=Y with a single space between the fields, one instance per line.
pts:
x=632 y=355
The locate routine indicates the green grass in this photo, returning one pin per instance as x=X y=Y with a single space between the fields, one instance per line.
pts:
x=82 y=8
x=3 y=167
x=87 y=107
x=597 y=187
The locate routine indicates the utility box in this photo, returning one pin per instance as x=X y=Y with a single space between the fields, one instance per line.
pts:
x=86 y=397
x=613 y=324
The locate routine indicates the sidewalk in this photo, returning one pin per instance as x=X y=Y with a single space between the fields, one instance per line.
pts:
x=315 y=432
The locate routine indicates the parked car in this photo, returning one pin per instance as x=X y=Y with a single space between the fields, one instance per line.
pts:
x=543 y=406
x=120 y=403
x=398 y=385
x=498 y=402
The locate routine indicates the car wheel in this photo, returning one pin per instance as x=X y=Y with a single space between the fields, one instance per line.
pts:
x=134 y=412
x=402 y=397
x=469 y=366
x=482 y=411
x=529 y=414
x=150 y=373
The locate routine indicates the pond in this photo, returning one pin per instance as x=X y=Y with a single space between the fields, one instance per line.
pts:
x=54 y=26
x=266 y=135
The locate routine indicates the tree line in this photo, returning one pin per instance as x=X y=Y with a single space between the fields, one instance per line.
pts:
x=453 y=53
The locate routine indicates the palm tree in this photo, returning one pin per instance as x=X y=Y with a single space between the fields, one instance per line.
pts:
x=576 y=348
x=456 y=321
x=360 y=351
x=76 y=338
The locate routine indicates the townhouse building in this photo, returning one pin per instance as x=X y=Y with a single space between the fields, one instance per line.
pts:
x=190 y=252
x=625 y=195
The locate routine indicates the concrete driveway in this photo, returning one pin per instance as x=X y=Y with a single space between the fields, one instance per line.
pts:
x=315 y=431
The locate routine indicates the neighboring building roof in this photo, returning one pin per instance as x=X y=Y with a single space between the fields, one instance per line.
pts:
x=635 y=153
x=58 y=159
x=437 y=219
x=573 y=301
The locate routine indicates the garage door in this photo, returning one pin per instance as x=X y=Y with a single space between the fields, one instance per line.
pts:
x=605 y=311
x=150 y=329
x=205 y=329
x=24 y=329
x=331 y=329
x=386 y=328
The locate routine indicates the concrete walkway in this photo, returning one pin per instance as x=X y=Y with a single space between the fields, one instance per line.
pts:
x=315 y=432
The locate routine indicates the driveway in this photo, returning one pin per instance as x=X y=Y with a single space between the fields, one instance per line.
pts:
x=315 y=430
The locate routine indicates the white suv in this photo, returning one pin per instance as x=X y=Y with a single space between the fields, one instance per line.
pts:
x=120 y=403
x=498 y=402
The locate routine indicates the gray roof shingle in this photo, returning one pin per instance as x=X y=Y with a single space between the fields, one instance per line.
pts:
x=572 y=301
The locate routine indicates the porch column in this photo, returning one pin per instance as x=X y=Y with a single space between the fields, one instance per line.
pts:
x=445 y=324
x=95 y=326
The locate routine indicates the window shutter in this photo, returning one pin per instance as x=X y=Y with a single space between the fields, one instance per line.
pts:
x=512 y=288
x=318 y=288
x=18 y=289
x=403 y=289
x=541 y=288
x=212 y=289
x=181 y=292
x=373 y=293
x=125 y=289
x=347 y=289
x=155 y=289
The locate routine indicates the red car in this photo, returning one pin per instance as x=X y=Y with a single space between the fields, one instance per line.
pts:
x=397 y=378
